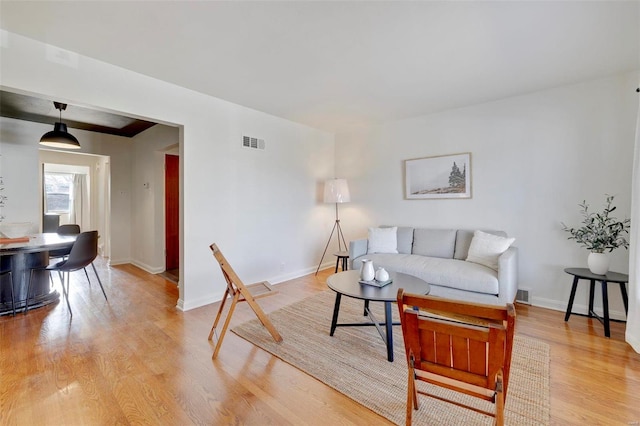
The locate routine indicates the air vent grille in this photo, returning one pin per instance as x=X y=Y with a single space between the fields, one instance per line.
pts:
x=253 y=143
x=522 y=296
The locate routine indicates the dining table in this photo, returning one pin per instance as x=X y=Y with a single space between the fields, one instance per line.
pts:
x=25 y=254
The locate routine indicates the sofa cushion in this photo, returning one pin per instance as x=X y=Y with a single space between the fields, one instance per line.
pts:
x=486 y=248
x=434 y=242
x=463 y=241
x=451 y=273
x=383 y=240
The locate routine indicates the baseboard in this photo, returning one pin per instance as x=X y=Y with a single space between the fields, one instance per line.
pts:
x=148 y=268
x=214 y=298
x=578 y=308
x=193 y=304
x=113 y=262
x=300 y=273
x=633 y=341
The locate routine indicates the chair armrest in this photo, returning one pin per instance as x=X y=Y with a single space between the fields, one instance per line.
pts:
x=357 y=248
x=508 y=275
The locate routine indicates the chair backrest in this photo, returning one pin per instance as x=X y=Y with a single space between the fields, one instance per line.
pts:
x=68 y=229
x=83 y=252
x=458 y=343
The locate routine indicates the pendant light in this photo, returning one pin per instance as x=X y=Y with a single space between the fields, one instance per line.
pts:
x=59 y=137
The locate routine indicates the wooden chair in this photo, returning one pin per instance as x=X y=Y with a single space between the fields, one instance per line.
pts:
x=461 y=346
x=240 y=293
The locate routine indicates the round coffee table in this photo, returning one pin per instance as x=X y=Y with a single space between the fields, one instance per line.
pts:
x=347 y=283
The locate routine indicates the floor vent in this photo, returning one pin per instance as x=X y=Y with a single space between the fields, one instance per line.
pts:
x=522 y=296
x=253 y=143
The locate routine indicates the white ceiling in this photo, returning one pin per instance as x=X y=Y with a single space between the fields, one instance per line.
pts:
x=332 y=65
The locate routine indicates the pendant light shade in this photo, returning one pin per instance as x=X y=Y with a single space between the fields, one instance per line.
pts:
x=59 y=137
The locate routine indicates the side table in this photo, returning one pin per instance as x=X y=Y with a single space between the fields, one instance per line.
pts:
x=609 y=277
x=342 y=257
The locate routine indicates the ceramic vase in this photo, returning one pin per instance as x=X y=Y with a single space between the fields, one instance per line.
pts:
x=598 y=263
x=366 y=270
x=382 y=275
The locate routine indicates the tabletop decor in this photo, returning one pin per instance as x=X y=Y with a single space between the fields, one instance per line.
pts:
x=598 y=233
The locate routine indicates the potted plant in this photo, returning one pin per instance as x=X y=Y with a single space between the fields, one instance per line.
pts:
x=600 y=232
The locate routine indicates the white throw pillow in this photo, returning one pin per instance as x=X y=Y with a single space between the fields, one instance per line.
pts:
x=485 y=249
x=383 y=240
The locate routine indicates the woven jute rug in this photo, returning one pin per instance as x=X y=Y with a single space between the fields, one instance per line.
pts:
x=354 y=362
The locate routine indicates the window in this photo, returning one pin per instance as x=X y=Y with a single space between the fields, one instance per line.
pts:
x=57 y=189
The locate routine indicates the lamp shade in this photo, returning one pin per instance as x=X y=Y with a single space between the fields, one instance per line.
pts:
x=336 y=191
x=60 y=138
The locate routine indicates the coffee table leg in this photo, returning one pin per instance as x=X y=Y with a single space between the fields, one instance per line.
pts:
x=336 y=309
x=366 y=307
x=573 y=295
x=605 y=307
x=388 y=322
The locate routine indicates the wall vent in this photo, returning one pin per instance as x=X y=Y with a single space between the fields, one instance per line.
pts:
x=522 y=296
x=253 y=143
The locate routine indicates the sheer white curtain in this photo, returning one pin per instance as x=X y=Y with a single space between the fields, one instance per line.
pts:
x=632 y=335
x=79 y=212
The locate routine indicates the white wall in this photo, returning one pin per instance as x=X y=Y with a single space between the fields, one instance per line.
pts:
x=229 y=196
x=148 y=243
x=17 y=157
x=534 y=158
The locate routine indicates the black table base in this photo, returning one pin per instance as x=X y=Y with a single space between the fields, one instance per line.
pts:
x=41 y=292
x=386 y=333
x=611 y=277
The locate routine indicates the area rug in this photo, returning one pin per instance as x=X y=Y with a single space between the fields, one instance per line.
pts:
x=354 y=363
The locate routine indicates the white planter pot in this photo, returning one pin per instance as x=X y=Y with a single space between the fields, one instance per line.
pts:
x=598 y=263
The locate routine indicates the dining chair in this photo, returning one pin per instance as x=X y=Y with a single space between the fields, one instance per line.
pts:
x=5 y=270
x=82 y=254
x=67 y=229
x=461 y=346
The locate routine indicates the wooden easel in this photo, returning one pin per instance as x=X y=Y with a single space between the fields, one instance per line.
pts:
x=240 y=293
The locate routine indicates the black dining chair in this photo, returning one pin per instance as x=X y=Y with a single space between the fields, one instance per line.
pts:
x=68 y=229
x=5 y=269
x=82 y=254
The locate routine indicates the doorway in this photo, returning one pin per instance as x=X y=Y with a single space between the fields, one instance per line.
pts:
x=172 y=216
x=74 y=188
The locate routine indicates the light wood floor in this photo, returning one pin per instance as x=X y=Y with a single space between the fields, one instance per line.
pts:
x=138 y=360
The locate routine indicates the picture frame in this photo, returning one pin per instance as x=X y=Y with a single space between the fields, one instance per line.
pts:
x=438 y=177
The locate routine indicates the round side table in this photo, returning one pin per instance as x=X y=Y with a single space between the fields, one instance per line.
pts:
x=342 y=256
x=609 y=277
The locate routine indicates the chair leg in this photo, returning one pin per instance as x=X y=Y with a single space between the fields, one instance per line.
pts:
x=98 y=277
x=411 y=397
x=65 y=291
x=499 y=400
x=86 y=274
x=226 y=324
x=215 y=322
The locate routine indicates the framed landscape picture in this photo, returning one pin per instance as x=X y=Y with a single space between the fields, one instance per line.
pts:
x=445 y=176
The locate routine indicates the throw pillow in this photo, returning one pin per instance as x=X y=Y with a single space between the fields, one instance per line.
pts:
x=485 y=249
x=383 y=240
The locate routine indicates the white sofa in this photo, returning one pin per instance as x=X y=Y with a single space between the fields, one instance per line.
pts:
x=438 y=256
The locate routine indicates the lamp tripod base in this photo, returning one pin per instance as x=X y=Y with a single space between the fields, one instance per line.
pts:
x=336 y=227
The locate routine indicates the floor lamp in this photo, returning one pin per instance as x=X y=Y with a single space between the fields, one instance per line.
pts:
x=335 y=191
